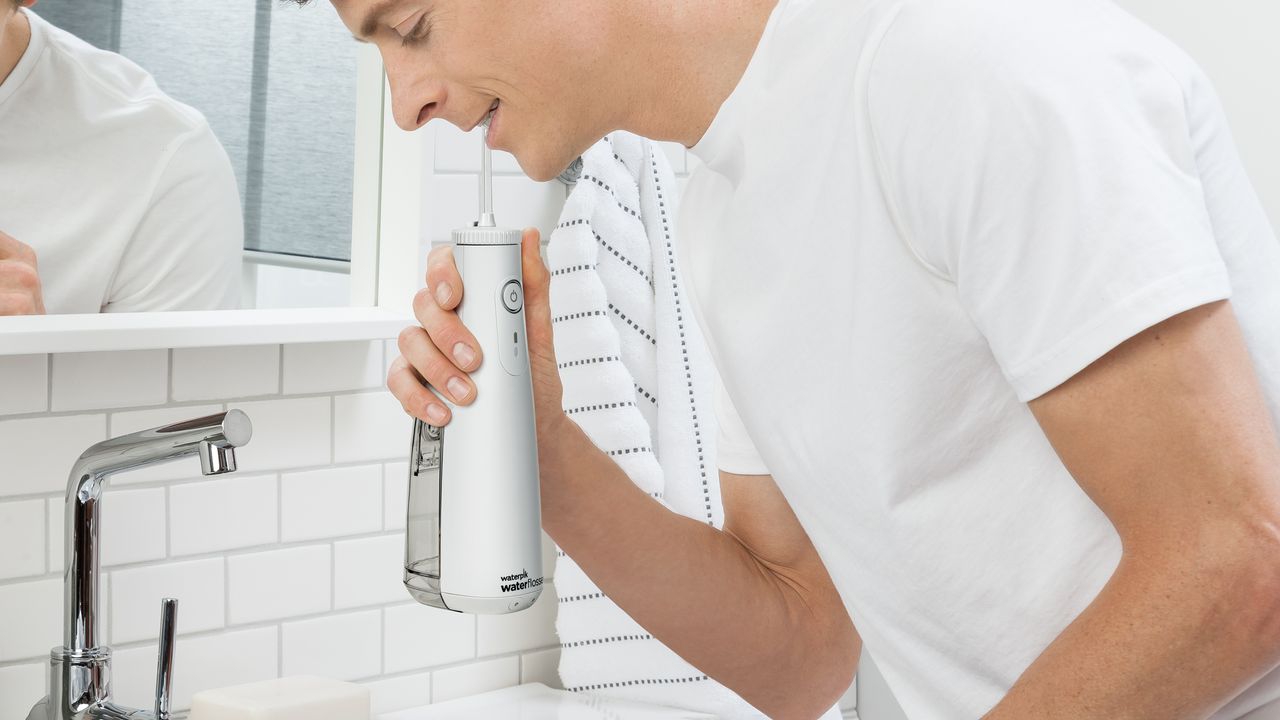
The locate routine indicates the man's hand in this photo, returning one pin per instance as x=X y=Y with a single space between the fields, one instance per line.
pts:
x=1171 y=436
x=19 y=279
x=437 y=355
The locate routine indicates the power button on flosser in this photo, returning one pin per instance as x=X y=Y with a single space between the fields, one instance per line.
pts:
x=513 y=296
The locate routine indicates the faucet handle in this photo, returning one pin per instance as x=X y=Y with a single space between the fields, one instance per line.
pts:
x=164 y=663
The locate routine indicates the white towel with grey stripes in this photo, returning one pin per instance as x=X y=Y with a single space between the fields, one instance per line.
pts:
x=639 y=381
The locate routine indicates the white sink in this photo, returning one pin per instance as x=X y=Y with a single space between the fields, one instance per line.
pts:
x=536 y=701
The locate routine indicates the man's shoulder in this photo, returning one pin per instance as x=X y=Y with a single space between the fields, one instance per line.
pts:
x=1017 y=40
x=107 y=86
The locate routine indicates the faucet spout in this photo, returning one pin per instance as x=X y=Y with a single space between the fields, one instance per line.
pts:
x=214 y=438
x=80 y=670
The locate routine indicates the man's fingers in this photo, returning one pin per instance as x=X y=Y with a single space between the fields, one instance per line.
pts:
x=18 y=275
x=537 y=295
x=537 y=279
x=447 y=331
x=13 y=249
x=20 y=292
x=439 y=371
x=443 y=280
x=17 y=303
x=414 y=397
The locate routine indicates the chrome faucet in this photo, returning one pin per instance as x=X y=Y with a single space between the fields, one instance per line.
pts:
x=80 y=670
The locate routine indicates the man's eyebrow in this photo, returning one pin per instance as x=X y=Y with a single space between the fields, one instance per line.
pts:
x=370 y=23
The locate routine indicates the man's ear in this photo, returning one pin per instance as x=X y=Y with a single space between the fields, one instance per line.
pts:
x=27 y=3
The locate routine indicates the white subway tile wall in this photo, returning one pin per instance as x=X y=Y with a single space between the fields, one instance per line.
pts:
x=199 y=511
x=97 y=380
x=24 y=388
x=20 y=521
x=342 y=647
x=291 y=565
x=391 y=694
x=279 y=583
x=199 y=586
x=418 y=636
x=222 y=372
x=203 y=662
x=332 y=367
x=542 y=666
x=369 y=426
x=17 y=681
x=368 y=571
x=463 y=680
x=35 y=450
x=330 y=502
x=133 y=526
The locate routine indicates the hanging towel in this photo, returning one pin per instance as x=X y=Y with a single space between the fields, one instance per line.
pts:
x=638 y=380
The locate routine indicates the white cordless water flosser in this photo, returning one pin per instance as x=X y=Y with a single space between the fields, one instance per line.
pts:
x=474 y=528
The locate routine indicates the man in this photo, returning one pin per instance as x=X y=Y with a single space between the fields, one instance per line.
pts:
x=113 y=196
x=998 y=308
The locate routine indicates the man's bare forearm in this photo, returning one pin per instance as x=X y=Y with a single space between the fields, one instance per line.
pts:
x=1176 y=633
x=753 y=627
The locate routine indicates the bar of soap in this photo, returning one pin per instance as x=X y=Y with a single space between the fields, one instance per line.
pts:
x=291 y=698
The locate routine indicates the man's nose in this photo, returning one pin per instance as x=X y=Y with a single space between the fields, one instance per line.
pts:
x=414 y=100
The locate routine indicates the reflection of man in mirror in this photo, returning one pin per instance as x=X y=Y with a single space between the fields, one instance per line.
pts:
x=113 y=196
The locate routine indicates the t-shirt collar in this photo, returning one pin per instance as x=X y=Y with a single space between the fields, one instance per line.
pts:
x=718 y=139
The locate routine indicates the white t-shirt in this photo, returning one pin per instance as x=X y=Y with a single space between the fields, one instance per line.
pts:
x=915 y=216
x=124 y=193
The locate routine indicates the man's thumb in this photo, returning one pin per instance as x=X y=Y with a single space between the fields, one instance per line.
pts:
x=537 y=279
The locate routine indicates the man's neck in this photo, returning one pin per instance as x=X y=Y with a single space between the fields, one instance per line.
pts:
x=698 y=53
x=15 y=36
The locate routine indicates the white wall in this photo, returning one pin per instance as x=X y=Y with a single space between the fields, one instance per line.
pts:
x=1235 y=42
x=289 y=566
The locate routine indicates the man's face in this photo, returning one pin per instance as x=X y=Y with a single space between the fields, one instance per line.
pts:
x=455 y=59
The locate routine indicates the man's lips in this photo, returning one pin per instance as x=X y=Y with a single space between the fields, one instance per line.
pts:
x=486 y=115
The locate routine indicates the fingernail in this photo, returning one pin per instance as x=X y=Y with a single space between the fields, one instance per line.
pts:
x=464 y=355
x=458 y=389
x=443 y=293
x=436 y=414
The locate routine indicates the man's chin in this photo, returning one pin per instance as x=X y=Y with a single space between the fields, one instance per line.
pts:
x=541 y=170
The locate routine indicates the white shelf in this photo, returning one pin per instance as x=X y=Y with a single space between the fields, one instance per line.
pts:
x=27 y=335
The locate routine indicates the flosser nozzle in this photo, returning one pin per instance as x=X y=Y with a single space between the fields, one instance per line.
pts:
x=486 y=178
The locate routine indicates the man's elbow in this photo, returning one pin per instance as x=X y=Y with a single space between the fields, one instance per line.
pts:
x=826 y=673
x=1258 y=578
x=1242 y=559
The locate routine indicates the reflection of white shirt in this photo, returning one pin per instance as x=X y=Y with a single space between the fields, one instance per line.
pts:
x=915 y=216
x=124 y=193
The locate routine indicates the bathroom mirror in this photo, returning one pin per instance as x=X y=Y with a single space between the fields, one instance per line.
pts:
x=296 y=105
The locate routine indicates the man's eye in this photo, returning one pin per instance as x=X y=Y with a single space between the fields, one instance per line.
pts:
x=419 y=33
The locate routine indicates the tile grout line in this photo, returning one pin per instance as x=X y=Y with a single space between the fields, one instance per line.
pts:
x=193 y=480
x=178 y=404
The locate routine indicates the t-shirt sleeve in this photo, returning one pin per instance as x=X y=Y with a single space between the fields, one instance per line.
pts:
x=1051 y=176
x=187 y=250
x=735 y=452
